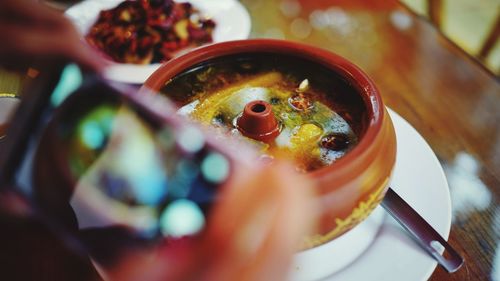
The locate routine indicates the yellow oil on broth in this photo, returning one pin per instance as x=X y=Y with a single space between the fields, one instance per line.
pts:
x=216 y=94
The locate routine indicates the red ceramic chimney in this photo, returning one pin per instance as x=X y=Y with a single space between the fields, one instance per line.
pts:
x=258 y=122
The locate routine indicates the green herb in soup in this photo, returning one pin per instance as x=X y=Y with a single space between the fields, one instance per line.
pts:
x=320 y=115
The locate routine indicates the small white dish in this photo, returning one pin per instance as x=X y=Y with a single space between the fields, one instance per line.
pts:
x=231 y=18
x=419 y=179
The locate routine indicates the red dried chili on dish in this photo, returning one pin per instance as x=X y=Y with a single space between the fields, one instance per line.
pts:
x=149 y=31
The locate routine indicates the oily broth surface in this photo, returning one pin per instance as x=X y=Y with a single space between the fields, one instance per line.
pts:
x=310 y=102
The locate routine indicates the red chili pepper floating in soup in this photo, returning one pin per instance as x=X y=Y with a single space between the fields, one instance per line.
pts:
x=335 y=141
x=149 y=31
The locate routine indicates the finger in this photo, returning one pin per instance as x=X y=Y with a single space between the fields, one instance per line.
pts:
x=79 y=51
x=258 y=226
x=85 y=56
x=26 y=12
x=25 y=43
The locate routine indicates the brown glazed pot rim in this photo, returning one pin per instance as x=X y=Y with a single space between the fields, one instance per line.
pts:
x=356 y=159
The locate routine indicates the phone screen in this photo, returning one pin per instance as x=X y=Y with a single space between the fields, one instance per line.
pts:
x=126 y=182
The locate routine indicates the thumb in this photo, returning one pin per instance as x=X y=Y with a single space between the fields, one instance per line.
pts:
x=258 y=226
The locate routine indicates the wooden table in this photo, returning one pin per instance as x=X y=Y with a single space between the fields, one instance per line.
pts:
x=451 y=100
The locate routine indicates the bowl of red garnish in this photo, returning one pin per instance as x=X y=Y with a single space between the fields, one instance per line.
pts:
x=136 y=36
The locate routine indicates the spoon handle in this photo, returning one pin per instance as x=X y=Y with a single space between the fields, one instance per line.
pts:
x=423 y=233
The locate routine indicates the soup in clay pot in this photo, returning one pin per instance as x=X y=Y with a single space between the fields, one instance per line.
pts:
x=294 y=101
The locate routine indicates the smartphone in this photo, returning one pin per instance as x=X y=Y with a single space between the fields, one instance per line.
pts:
x=119 y=170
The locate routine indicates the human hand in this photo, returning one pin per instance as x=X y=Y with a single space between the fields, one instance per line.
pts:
x=30 y=31
x=252 y=234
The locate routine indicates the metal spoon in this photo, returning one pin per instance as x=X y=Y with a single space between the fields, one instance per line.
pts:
x=420 y=230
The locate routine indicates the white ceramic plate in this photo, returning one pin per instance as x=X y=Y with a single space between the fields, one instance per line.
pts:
x=419 y=179
x=231 y=18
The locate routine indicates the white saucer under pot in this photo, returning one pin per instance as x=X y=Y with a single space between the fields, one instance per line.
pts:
x=379 y=248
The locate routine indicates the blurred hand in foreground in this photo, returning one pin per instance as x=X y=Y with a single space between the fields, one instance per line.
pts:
x=30 y=31
x=251 y=236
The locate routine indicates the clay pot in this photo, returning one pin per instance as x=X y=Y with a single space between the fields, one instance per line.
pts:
x=350 y=188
